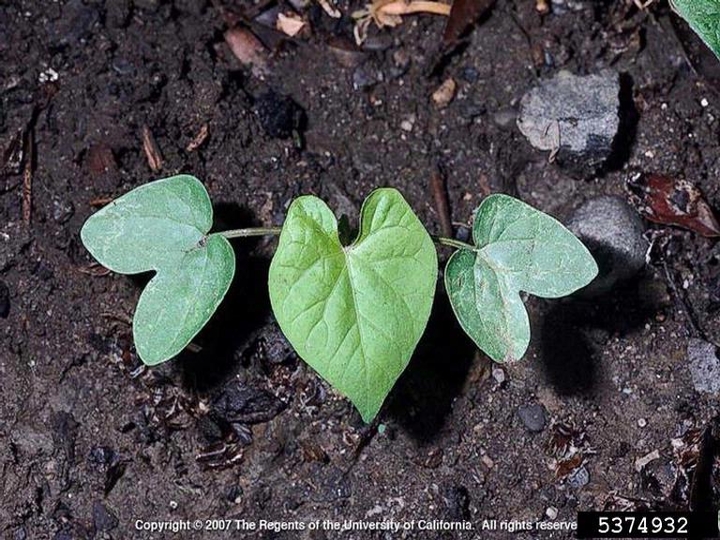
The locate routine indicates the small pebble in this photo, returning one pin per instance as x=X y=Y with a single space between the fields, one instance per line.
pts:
x=551 y=512
x=470 y=74
x=62 y=210
x=445 y=93
x=366 y=76
x=505 y=117
x=407 y=124
x=532 y=417
x=579 y=478
x=642 y=422
x=498 y=374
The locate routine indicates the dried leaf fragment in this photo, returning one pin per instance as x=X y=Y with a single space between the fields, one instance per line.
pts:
x=330 y=9
x=199 y=139
x=667 y=201
x=290 y=25
x=390 y=12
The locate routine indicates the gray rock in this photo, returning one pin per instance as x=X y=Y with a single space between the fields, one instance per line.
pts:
x=613 y=232
x=576 y=118
x=704 y=366
x=532 y=417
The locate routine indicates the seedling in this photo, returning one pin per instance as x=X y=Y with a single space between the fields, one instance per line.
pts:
x=703 y=16
x=353 y=311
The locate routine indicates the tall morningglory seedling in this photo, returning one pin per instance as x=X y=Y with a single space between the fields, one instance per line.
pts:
x=354 y=312
x=703 y=16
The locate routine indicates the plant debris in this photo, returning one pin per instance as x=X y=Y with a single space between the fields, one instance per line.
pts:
x=152 y=152
x=290 y=24
x=438 y=189
x=667 y=201
x=390 y=13
x=247 y=48
x=198 y=139
x=567 y=447
x=28 y=177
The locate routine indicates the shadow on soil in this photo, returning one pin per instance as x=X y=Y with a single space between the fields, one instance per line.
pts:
x=423 y=395
x=570 y=357
x=243 y=311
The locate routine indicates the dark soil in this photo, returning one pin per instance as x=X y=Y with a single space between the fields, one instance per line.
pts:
x=90 y=442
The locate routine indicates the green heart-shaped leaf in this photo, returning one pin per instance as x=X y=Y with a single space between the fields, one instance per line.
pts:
x=703 y=16
x=163 y=226
x=518 y=248
x=354 y=313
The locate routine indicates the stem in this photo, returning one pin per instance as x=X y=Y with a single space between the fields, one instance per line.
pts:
x=251 y=231
x=451 y=242
x=266 y=231
x=418 y=6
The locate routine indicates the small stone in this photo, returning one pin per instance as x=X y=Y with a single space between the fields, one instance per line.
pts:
x=4 y=300
x=642 y=422
x=498 y=374
x=575 y=118
x=407 y=124
x=62 y=210
x=505 y=117
x=365 y=76
x=613 y=232
x=579 y=478
x=445 y=93
x=470 y=74
x=704 y=366
x=551 y=512
x=532 y=417
x=103 y=519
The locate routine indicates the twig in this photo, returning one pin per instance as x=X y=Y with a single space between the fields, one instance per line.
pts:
x=439 y=193
x=28 y=177
x=199 y=139
x=152 y=152
x=100 y=201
